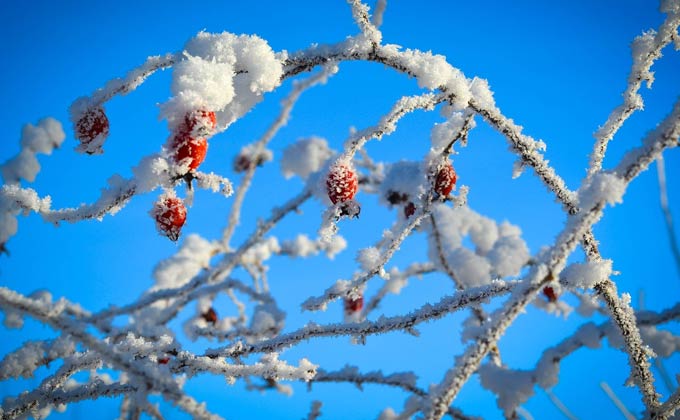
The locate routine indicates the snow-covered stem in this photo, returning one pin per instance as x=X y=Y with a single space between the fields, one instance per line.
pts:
x=340 y=289
x=668 y=217
x=363 y=20
x=646 y=50
x=587 y=335
x=388 y=123
x=477 y=311
x=414 y=270
x=132 y=80
x=259 y=146
x=527 y=149
x=52 y=315
x=90 y=391
x=427 y=312
x=404 y=380
x=191 y=365
x=217 y=274
x=668 y=408
x=111 y=201
x=40 y=396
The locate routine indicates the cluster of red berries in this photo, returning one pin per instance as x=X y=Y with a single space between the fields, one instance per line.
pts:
x=342 y=184
x=396 y=198
x=189 y=144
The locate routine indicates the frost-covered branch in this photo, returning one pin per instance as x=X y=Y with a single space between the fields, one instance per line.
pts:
x=216 y=80
x=405 y=381
x=250 y=156
x=382 y=325
x=344 y=288
x=132 y=80
x=593 y=198
x=51 y=315
x=646 y=49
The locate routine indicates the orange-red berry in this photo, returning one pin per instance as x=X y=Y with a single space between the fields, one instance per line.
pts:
x=446 y=179
x=188 y=149
x=92 y=124
x=342 y=184
x=170 y=215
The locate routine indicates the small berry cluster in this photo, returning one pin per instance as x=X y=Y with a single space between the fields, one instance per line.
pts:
x=396 y=198
x=188 y=146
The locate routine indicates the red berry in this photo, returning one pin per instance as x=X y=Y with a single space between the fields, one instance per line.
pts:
x=354 y=305
x=92 y=124
x=200 y=122
x=446 y=179
x=409 y=209
x=189 y=149
x=210 y=316
x=342 y=184
x=170 y=215
x=163 y=361
x=549 y=292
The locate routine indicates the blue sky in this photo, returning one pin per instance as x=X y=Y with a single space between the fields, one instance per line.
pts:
x=557 y=68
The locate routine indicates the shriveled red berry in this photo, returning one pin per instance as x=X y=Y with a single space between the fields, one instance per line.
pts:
x=92 y=124
x=170 y=214
x=409 y=209
x=353 y=305
x=200 y=122
x=188 y=149
x=395 y=197
x=549 y=292
x=342 y=184
x=243 y=162
x=163 y=360
x=446 y=179
x=210 y=316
